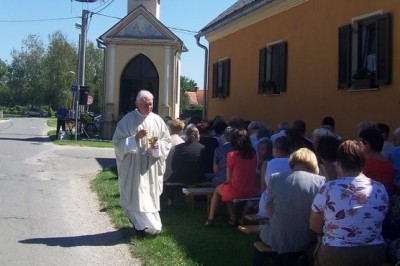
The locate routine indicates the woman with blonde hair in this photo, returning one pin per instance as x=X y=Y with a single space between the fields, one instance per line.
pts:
x=290 y=196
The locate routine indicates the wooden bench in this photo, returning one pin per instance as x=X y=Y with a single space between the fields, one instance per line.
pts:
x=179 y=184
x=256 y=218
x=191 y=192
x=253 y=228
x=246 y=199
x=249 y=229
x=305 y=257
x=244 y=206
x=260 y=246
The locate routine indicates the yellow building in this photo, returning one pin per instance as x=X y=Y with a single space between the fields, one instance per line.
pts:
x=140 y=53
x=283 y=60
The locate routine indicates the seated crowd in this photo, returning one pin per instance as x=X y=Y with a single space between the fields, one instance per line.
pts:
x=338 y=197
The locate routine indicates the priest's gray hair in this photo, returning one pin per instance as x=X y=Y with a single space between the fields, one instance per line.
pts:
x=143 y=94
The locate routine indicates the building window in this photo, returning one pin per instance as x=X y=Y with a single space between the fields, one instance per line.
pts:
x=365 y=53
x=273 y=68
x=221 y=78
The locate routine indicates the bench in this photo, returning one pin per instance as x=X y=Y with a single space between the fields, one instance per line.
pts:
x=249 y=229
x=244 y=206
x=253 y=228
x=177 y=187
x=191 y=192
x=256 y=218
x=299 y=258
x=246 y=199
x=260 y=246
x=179 y=184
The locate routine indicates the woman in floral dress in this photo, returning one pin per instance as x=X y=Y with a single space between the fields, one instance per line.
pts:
x=349 y=212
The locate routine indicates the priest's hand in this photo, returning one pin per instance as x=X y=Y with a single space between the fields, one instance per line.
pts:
x=141 y=134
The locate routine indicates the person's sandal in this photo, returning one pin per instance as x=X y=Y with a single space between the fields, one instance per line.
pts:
x=233 y=222
x=209 y=223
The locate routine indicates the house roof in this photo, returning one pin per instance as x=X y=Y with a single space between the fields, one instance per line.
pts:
x=141 y=26
x=237 y=10
x=195 y=97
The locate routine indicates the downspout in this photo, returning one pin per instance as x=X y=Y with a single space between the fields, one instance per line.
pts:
x=205 y=74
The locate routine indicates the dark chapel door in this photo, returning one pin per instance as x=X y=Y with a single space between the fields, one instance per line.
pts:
x=140 y=73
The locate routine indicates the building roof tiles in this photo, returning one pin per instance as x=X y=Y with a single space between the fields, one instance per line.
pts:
x=235 y=11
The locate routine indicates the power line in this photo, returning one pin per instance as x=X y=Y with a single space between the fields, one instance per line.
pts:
x=184 y=31
x=103 y=4
x=107 y=16
x=112 y=1
x=36 y=20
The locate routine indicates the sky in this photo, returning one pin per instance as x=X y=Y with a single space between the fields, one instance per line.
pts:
x=20 y=18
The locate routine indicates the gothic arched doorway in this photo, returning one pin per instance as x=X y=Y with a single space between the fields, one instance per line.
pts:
x=140 y=73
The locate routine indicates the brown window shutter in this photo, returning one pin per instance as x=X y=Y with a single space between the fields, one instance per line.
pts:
x=226 y=76
x=215 y=80
x=280 y=51
x=262 y=68
x=344 y=60
x=383 y=49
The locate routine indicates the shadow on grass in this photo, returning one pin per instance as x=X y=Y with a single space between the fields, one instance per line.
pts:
x=218 y=245
x=110 y=208
x=184 y=239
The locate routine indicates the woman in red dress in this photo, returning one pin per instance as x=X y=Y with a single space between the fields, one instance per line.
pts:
x=241 y=176
x=377 y=166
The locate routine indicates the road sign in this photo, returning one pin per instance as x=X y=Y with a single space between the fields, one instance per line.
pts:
x=74 y=88
x=89 y=100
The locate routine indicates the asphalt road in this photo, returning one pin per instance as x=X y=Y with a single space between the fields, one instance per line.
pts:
x=48 y=214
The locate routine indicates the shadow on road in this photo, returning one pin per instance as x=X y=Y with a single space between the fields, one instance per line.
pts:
x=106 y=163
x=120 y=236
x=34 y=139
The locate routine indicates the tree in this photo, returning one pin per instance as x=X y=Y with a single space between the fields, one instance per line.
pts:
x=26 y=72
x=59 y=61
x=4 y=91
x=187 y=84
x=3 y=73
x=94 y=75
x=40 y=75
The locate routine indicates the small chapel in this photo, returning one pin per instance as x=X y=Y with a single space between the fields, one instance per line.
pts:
x=140 y=53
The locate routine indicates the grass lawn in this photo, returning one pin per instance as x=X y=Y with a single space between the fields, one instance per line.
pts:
x=184 y=239
x=52 y=122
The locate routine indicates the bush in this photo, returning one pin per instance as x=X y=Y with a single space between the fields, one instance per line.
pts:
x=191 y=112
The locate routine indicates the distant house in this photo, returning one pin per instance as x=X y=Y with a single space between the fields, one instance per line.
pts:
x=195 y=97
x=282 y=60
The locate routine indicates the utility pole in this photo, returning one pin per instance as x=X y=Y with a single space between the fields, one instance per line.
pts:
x=81 y=65
x=82 y=47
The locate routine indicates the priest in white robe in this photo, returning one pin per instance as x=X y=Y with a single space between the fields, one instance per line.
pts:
x=142 y=143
